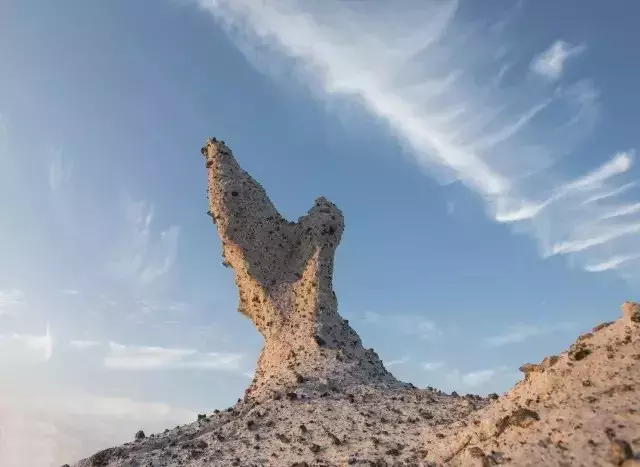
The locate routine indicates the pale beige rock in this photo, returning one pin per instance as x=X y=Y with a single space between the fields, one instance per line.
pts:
x=320 y=399
x=631 y=312
x=284 y=274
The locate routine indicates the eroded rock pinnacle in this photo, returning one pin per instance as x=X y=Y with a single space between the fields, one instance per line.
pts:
x=283 y=272
x=320 y=398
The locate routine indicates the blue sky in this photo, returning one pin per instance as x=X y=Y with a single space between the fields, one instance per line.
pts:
x=483 y=157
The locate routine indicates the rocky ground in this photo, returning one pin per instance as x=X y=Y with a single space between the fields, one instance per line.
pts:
x=581 y=408
x=319 y=398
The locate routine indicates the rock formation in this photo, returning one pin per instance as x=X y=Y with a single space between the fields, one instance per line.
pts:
x=320 y=399
x=284 y=276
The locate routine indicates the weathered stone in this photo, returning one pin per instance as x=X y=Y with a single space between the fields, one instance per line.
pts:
x=620 y=451
x=284 y=274
x=520 y=417
x=602 y=326
x=631 y=312
x=528 y=368
x=477 y=458
x=548 y=362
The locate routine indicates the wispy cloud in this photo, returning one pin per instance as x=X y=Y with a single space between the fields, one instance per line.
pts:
x=81 y=344
x=403 y=323
x=477 y=378
x=432 y=366
x=551 y=62
x=70 y=292
x=422 y=70
x=484 y=379
x=132 y=357
x=612 y=263
x=399 y=361
x=610 y=194
x=52 y=428
x=11 y=300
x=18 y=348
x=144 y=254
x=60 y=170
x=520 y=333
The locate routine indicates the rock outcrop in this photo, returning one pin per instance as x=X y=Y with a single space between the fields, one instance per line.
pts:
x=284 y=276
x=320 y=399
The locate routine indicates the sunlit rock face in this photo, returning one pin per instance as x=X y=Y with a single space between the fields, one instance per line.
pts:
x=284 y=273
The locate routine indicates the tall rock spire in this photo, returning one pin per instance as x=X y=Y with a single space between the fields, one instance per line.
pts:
x=284 y=272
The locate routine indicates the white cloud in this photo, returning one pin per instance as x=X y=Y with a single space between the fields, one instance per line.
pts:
x=611 y=263
x=487 y=379
x=478 y=378
x=610 y=194
x=403 y=323
x=416 y=66
x=48 y=429
x=451 y=207
x=11 y=301
x=60 y=171
x=621 y=211
x=147 y=307
x=399 y=361
x=598 y=235
x=520 y=333
x=143 y=255
x=70 y=292
x=81 y=345
x=18 y=348
x=131 y=357
x=551 y=62
x=432 y=366
x=619 y=164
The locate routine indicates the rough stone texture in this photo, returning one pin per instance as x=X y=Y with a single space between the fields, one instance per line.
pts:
x=320 y=399
x=284 y=276
x=567 y=413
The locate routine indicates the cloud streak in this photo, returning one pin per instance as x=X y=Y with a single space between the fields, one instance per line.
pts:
x=551 y=62
x=54 y=428
x=131 y=357
x=19 y=348
x=60 y=170
x=478 y=378
x=82 y=345
x=11 y=301
x=434 y=81
x=484 y=379
x=144 y=255
x=520 y=333
x=403 y=323
x=432 y=366
x=399 y=361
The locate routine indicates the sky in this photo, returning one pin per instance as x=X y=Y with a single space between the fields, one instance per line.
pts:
x=483 y=155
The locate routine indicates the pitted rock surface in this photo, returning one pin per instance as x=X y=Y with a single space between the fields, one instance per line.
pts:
x=320 y=399
x=284 y=274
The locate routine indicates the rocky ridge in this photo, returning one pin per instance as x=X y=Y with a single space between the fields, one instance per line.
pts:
x=320 y=399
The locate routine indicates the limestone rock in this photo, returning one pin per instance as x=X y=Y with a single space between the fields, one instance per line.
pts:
x=284 y=275
x=620 y=451
x=631 y=312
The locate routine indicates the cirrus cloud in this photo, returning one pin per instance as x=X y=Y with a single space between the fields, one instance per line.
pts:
x=434 y=78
